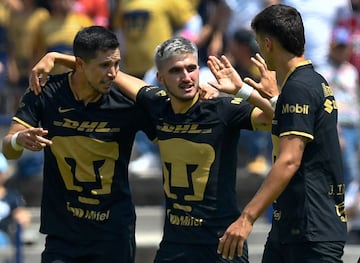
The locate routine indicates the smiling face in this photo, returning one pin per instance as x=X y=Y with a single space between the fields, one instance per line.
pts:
x=100 y=71
x=180 y=76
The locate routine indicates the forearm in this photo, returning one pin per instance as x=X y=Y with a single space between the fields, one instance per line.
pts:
x=63 y=59
x=257 y=100
x=128 y=84
x=274 y=184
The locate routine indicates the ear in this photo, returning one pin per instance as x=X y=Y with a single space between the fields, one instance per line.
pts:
x=79 y=63
x=269 y=43
x=160 y=78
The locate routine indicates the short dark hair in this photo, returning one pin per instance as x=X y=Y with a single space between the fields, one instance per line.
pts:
x=284 y=23
x=91 y=39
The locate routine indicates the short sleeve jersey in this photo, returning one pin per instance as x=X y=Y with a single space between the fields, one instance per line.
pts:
x=311 y=208
x=86 y=193
x=199 y=158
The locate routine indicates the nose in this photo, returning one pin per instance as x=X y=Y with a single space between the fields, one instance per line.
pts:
x=186 y=74
x=112 y=72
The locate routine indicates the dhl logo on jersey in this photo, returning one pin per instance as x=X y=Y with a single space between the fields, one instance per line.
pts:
x=297 y=108
x=187 y=128
x=86 y=126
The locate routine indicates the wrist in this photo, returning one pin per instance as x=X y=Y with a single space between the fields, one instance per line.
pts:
x=273 y=101
x=248 y=217
x=245 y=91
x=14 y=144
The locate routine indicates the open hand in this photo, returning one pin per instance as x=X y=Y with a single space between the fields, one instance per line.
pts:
x=267 y=87
x=228 y=80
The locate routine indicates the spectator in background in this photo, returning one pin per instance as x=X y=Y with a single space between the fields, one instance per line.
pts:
x=4 y=19
x=23 y=25
x=243 y=11
x=97 y=10
x=343 y=79
x=145 y=24
x=319 y=18
x=58 y=31
x=215 y=18
x=350 y=19
x=28 y=177
x=12 y=207
x=352 y=204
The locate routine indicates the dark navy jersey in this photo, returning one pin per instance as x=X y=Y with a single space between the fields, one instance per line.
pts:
x=86 y=193
x=312 y=206
x=199 y=158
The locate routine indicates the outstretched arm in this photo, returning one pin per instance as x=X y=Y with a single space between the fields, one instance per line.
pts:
x=128 y=84
x=41 y=70
x=21 y=137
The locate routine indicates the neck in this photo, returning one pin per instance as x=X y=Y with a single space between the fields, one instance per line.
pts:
x=182 y=106
x=285 y=65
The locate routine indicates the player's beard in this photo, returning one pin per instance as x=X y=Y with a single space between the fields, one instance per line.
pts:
x=98 y=88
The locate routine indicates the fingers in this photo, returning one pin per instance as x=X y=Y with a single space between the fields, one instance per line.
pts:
x=226 y=62
x=221 y=245
x=229 y=245
x=214 y=85
x=260 y=63
x=251 y=82
x=34 y=81
x=37 y=80
x=208 y=92
x=214 y=64
x=240 y=247
x=261 y=59
x=33 y=139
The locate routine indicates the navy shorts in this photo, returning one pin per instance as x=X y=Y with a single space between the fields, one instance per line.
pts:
x=190 y=253
x=307 y=252
x=66 y=251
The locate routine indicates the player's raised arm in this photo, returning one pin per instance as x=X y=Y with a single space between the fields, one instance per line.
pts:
x=128 y=84
x=229 y=81
x=40 y=72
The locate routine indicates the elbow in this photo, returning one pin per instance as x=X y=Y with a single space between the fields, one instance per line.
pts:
x=292 y=165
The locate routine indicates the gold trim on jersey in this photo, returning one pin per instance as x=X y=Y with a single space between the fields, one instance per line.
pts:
x=22 y=122
x=302 y=134
x=305 y=62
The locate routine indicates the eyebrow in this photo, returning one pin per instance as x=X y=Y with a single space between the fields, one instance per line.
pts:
x=181 y=67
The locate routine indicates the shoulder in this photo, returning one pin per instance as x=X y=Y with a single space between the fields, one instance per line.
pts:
x=56 y=82
x=227 y=106
x=304 y=79
x=153 y=93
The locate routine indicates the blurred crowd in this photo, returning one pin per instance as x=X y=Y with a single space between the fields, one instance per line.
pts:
x=30 y=28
